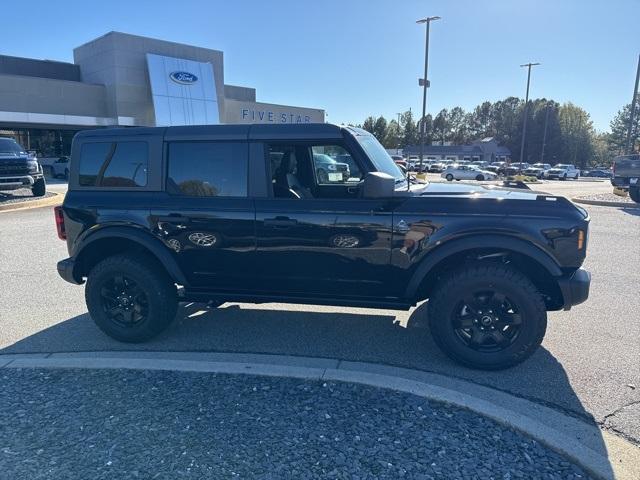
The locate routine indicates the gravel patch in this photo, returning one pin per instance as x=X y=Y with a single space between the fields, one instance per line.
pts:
x=20 y=195
x=133 y=424
x=608 y=197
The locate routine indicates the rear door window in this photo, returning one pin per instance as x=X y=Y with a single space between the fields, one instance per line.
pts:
x=114 y=164
x=208 y=169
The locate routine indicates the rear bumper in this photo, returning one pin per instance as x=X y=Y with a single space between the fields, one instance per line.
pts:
x=623 y=182
x=66 y=269
x=575 y=287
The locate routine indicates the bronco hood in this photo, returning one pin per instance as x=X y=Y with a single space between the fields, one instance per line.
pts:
x=482 y=191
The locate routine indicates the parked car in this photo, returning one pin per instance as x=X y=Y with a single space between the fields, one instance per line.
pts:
x=492 y=169
x=60 y=168
x=598 y=174
x=626 y=175
x=148 y=224
x=437 y=167
x=537 y=170
x=467 y=172
x=501 y=166
x=515 y=168
x=19 y=169
x=563 y=171
x=482 y=164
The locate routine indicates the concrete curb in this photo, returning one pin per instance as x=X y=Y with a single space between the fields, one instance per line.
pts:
x=55 y=199
x=604 y=203
x=600 y=453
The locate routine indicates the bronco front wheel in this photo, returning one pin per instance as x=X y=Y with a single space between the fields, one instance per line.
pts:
x=487 y=316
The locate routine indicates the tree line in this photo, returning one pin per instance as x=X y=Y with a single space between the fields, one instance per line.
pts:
x=564 y=131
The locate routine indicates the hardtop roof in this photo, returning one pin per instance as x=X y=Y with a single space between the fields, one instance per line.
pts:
x=230 y=132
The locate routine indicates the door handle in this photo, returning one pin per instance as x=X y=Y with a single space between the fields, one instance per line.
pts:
x=280 y=222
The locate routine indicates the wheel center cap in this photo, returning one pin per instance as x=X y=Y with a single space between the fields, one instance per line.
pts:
x=124 y=301
x=486 y=320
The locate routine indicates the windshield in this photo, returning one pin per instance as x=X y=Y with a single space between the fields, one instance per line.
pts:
x=9 y=145
x=380 y=158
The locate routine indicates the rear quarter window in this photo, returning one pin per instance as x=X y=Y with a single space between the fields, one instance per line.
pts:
x=114 y=164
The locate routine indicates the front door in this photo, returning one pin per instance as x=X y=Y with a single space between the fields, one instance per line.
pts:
x=205 y=216
x=315 y=236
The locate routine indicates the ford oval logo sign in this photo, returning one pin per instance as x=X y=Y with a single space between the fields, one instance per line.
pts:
x=183 y=78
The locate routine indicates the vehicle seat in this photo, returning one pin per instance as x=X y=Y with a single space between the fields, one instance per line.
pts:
x=287 y=183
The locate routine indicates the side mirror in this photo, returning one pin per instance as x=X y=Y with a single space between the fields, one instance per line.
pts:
x=378 y=185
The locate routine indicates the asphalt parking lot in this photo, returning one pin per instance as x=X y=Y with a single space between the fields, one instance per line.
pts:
x=589 y=364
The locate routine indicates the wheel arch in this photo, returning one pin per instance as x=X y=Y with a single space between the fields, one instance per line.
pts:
x=111 y=241
x=532 y=261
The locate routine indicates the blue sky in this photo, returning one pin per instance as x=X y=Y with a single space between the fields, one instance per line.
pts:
x=356 y=58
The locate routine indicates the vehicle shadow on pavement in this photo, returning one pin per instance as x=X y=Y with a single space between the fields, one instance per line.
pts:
x=631 y=210
x=365 y=336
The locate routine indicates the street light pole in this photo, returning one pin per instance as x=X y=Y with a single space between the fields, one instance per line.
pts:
x=526 y=111
x=629 y=146
x=425 y=84
x=544 y=136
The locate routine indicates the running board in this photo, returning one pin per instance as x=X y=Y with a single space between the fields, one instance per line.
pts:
x=188 y=295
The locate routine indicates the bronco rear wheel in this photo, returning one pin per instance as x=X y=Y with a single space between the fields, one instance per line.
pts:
x=634 y=193
x=487 y=316
x=130 y=298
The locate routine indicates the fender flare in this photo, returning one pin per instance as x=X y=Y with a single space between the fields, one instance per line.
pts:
x=454 y=246
x=146 y=240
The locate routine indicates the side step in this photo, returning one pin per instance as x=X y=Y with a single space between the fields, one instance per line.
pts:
x=191 y=295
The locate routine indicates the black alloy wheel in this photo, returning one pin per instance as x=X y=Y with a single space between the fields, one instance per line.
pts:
x=486 y=321
x=123 y=301
x=131 y=297
x=487 y=315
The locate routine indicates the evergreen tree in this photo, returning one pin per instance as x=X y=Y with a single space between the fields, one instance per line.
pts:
x=410 y=131
x=380 y=129
x=369 y=124
x=620 y=126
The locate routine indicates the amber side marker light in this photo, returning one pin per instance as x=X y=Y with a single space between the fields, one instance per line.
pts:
x=580 y=239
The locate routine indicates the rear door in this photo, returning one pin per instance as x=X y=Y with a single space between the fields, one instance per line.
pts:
x=205 y=214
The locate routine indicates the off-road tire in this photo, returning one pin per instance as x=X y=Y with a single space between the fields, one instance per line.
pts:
x=634 y=193
x=39 y=188
x=158 y=287
x=449 y=177
x=451 y=290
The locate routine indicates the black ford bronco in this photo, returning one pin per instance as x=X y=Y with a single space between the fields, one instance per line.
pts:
x=157 y=216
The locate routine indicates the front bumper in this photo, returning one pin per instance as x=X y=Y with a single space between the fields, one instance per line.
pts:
x=66 y=270
x=575 y=287
x=14 y=182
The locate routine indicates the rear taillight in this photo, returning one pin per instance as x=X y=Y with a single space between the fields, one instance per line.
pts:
x=62 y=233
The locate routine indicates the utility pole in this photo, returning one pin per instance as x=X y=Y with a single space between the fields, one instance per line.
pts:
x=425 y=84
x=526 y=111
x=629 y=146
x=544 y=135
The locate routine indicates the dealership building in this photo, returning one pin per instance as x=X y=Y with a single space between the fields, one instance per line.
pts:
x=122 y=80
